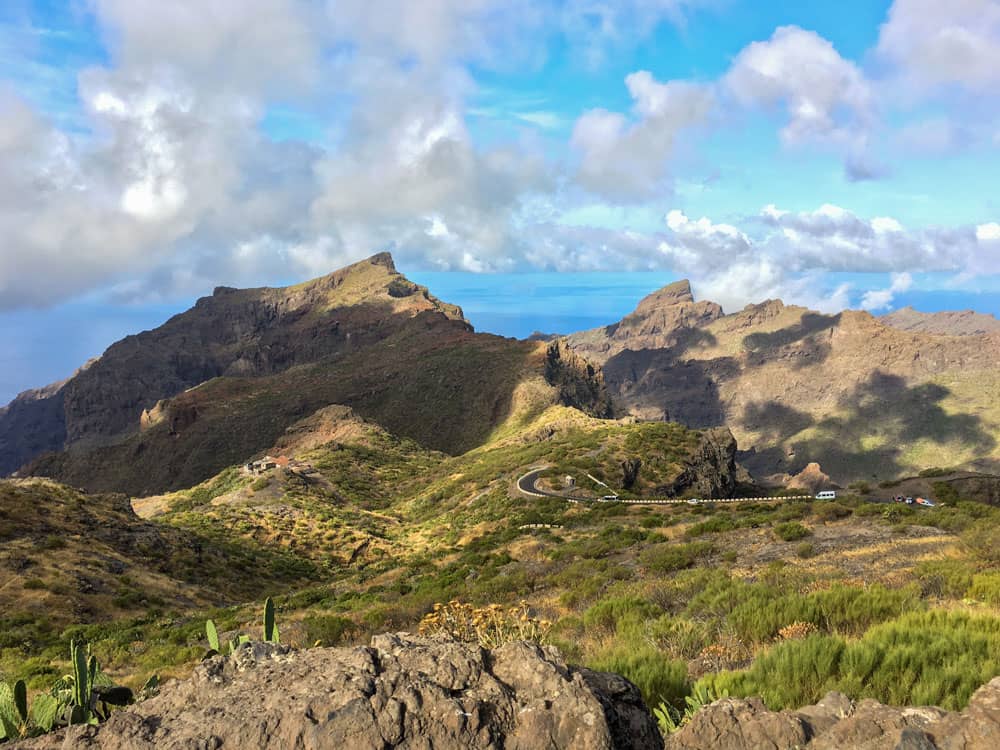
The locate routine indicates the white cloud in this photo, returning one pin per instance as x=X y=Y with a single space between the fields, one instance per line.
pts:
x=827 y=99
x=625 y=159
x=835 y=239
x=988 y=232
x=880 y=299
x=935 y=44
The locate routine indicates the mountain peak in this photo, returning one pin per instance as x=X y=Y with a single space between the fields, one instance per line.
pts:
x=383 y=259
x=679 y=292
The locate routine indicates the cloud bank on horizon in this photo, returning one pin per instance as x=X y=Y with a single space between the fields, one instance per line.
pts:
x=151 y=149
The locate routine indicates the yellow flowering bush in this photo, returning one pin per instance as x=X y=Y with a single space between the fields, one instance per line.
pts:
x=796 y=631
x=490 y=626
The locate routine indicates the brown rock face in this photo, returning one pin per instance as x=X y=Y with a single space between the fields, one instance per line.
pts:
x=401 y=692
x=853 y=392
x=958 y=323
x=811 y=478
x=580 y=384
x=836 y=723
x=662 y=319
x=234 y=332
x=712 y=471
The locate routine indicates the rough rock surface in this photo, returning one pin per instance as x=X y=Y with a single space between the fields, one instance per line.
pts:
x=712 y=470
x=811 y=478
x=796 y=386
x=836 y=723
x=950 y=323
x=401 y=692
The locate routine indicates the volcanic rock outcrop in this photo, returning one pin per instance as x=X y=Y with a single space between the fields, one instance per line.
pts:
x=836 y=723
x=401 y=692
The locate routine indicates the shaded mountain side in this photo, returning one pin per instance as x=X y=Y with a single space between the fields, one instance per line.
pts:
x=66 y=556
x=236 y=333
x=948 y=323
x=862 y=398
x=433 y=380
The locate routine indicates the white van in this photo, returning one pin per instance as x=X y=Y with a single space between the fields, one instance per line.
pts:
x=826 y=495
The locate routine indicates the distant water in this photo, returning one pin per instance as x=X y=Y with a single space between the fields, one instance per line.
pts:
x=518 y=304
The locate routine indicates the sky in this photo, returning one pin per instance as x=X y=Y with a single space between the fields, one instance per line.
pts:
x=543 y=163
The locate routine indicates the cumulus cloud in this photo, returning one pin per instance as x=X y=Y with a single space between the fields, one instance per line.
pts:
x=881 y=299
x=835 y=239
x=827 y=99
x=933 y=44
x=627 y=159
x=793 y=251
x=169 y=181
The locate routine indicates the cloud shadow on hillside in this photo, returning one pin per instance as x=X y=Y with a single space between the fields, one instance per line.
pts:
x=882 y=407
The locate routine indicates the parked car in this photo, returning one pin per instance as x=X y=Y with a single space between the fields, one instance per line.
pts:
x=925 y=501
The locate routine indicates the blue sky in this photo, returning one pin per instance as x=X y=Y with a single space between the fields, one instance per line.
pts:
x=832 y=154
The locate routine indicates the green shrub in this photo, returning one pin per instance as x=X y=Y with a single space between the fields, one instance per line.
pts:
x=715 y=525
x=831 y=511
x=806 y=550
x=925 y=658
x=934 y=471
x=944 y=578
x=328 y=630
x=945 y=493
x=790 y=531
x=790 y=674
x=666 y=558
x=608 y=613
x=986 y=588
x=659 y=679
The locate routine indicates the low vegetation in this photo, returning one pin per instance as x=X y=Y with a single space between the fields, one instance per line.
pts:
x=785 y=598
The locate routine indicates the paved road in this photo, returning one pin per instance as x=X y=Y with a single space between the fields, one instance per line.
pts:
x=527 y=484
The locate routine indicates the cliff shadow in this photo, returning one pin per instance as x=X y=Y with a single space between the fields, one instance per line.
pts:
x=659 y=381
x=879 y=421
x=760 y=346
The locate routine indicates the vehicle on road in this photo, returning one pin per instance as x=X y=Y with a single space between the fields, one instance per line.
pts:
x=693 y=501
x=924 y=501
x=826 y=495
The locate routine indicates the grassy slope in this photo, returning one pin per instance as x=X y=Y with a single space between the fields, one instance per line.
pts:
x=452 y=401
x=664 y=595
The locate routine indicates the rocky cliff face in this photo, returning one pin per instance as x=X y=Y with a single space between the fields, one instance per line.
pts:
x=949 y=323
x=837 y=722
x=849 y=391
x=234 y=333
x=401 y=692
x=712 y=470
x=580 y=383
x=660 y=320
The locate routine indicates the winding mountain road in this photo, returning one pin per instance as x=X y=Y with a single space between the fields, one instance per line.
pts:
x=527 y=484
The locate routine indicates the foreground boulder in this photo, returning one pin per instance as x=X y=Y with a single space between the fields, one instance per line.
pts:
x=836 y=722
x=401 y=692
